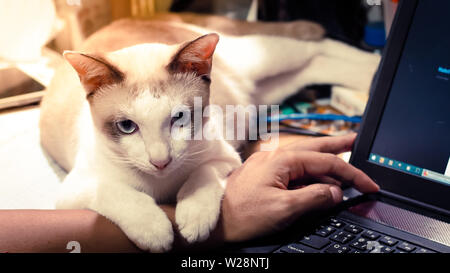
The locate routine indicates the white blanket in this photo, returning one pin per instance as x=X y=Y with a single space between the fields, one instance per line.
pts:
x=29 y=179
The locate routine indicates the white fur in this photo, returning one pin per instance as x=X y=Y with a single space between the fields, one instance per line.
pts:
x=127 y=188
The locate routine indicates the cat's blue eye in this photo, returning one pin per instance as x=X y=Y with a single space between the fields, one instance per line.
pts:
x=127 y=126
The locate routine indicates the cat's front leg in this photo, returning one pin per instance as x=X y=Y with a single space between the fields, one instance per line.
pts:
x=199 y=200
x=137 y=214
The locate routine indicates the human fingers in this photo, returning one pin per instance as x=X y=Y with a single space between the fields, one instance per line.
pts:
x=334 y=145
x=314 y=197
x=314 y=164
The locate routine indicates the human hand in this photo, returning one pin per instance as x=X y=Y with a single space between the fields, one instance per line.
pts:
x=257 y=200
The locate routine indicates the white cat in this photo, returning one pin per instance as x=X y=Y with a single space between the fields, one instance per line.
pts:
x=113 y=131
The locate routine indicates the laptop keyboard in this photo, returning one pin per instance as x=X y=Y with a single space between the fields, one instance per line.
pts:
x=338 y=236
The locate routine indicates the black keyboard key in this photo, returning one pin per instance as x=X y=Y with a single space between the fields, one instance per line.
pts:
x=325 y=231
x=355 y=251
x=353 y=229
x=342 y=237
x=387 y=249
x=371 y=235
x=315 y=241
x=336 y=223
x=297 y=248
x=360 y=243
x=406 y=247
x=337 y=248
x=389 y=241
x=423 y=250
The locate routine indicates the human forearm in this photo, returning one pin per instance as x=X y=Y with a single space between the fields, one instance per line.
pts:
x=51 y=230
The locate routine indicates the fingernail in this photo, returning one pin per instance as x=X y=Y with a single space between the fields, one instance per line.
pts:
x=336 y=193
x=378 y=187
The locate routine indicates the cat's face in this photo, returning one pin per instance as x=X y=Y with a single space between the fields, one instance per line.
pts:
x=141 y=97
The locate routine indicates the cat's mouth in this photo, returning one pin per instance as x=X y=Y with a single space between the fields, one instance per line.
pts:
x=159 y=171
x=152 y=171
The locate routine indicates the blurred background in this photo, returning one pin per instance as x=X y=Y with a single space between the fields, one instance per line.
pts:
x=348 y=20
x=33 y=33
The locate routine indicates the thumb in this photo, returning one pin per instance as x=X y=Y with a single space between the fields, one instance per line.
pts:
x=315 y=197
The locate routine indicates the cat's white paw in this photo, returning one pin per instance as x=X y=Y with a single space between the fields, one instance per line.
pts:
x=197 y=217
x=154 y=234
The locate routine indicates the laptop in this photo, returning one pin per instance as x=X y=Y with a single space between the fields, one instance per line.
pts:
x=403 y=144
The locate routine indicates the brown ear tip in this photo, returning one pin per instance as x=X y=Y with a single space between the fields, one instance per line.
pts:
x=214 y=35
x=67 y=54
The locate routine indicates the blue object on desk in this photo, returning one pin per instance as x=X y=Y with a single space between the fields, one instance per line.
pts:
x=375 y=34
x=354 y=119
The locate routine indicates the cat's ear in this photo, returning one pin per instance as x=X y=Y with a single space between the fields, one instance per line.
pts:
x=94 y=71
x=195 y=56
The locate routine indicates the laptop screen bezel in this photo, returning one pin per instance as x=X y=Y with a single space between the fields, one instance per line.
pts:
x=390 y=180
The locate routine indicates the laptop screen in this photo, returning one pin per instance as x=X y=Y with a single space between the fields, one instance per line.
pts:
x=414 y=132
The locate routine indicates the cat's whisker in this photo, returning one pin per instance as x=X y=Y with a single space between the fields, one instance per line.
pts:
x=197 y=152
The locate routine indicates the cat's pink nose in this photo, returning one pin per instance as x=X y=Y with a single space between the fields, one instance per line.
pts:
x=161 y=164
